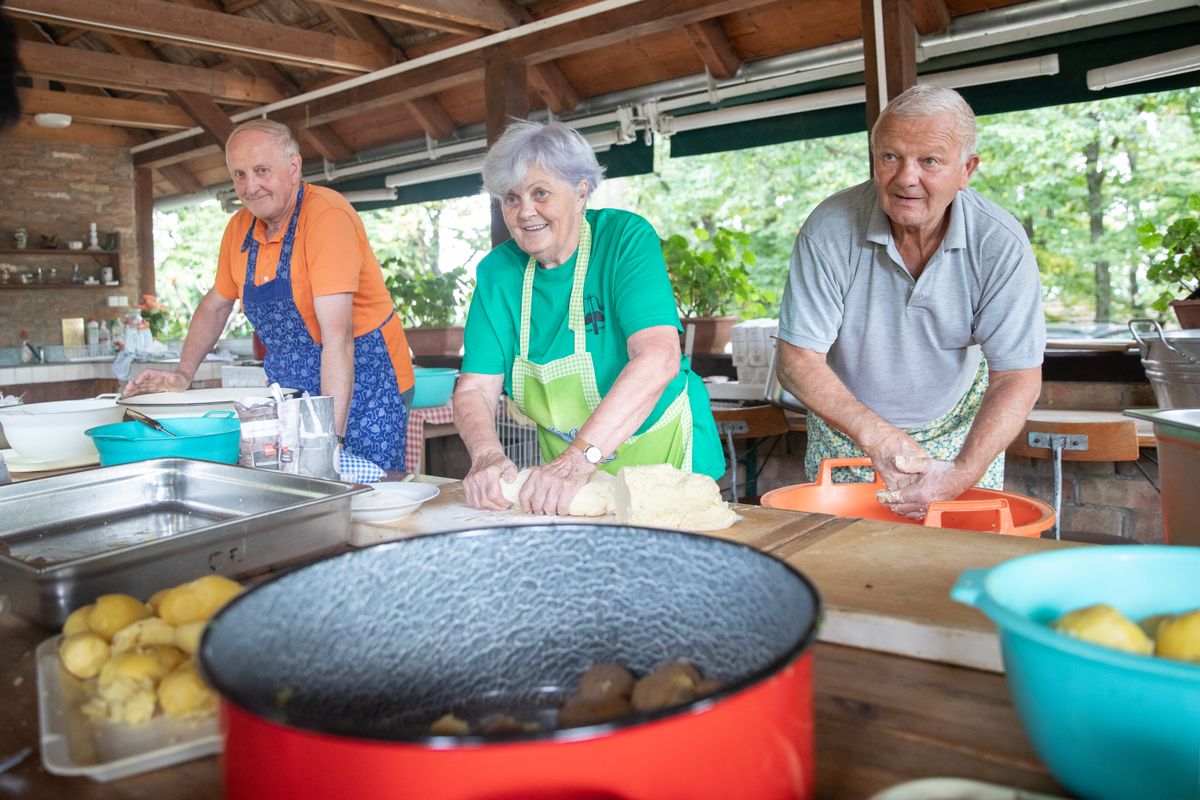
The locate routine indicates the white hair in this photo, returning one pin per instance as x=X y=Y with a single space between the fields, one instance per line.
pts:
x=281 y=133
x=928 y=100
x=555 y=147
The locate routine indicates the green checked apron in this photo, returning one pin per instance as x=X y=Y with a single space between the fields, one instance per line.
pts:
x=560 y=395
x=942 y=439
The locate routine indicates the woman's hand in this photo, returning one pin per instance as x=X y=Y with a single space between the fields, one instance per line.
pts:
x=551 y=487
x=482 y=484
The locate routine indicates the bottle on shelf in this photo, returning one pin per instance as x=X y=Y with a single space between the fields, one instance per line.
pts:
x=104 y=339
x=76 y=275
x=92 y=335
x=26 y=352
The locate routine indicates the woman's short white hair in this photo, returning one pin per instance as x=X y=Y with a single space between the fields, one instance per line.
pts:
x=281 y=133
x=927 y=100
x=553 y=146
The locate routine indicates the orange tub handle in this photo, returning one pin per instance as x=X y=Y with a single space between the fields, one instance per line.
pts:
x=825 y=476
x=933 y=519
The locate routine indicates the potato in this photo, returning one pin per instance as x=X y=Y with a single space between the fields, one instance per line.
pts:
x=148 y=631
x=580 y=710
x=128 y=700
x=197 y=600
x=77 y=620
x=1103 y=625
x=112 y=612
x=606 y=680
x=449 y=725
x=184 y=693
x=156 y=599
x=1179 y=638
x=672 y=684
x=84 y=654
x=187 y=636
x=152 y=663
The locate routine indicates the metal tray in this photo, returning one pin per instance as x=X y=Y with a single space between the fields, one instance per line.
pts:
x=140 y=527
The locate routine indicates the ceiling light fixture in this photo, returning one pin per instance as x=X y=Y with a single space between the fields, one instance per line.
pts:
x=1161 y=65
x=48 y=120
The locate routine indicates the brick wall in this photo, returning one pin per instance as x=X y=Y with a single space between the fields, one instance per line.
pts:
x=58 y=190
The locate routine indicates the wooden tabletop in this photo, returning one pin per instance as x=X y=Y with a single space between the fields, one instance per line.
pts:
x=1145 y=428
x=882 y=718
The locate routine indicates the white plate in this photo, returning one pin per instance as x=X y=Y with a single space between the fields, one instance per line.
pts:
x=105 y=751
x=18 y=463
x=390 y=501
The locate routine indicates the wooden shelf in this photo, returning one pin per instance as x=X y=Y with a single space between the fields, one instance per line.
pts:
x=106 y=255
x=57 y=285
x=61 y=258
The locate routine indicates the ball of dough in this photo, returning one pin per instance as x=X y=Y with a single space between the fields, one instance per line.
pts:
x=148 y=631
x=606 y=680
x=660 y=496
x=77 y=620
x=187 y=636
x=197 y=600
x=152 y=663
x=594 y=498
x=184 y=693
x=112 y=612
x=84 y=654
x=1179 y=638
x=1103 y=625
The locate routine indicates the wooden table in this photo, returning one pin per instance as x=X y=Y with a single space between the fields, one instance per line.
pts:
x=882 y=718
x=1145 y=428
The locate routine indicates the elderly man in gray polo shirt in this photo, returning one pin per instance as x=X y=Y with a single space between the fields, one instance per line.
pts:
x=911 y=326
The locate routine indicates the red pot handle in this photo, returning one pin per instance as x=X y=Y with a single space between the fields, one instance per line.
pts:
x=825 y=476
x=933 y=519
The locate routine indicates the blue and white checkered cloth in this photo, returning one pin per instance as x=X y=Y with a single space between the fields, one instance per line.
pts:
x=356 y=469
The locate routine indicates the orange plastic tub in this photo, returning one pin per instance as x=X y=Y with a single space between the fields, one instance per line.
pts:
x=975 y=509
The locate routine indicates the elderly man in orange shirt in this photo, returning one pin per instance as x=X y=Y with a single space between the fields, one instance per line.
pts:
x=298 y=258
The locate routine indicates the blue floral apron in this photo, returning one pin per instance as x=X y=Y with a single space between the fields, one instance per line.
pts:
x=378 y=420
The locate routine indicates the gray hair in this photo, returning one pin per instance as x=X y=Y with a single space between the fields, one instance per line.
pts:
x=281 y=133
x=553 y=146
x=928 y=100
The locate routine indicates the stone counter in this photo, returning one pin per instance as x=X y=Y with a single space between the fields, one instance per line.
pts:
x=40 y=383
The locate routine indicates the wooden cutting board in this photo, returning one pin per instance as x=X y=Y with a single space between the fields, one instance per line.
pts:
x=884 y=586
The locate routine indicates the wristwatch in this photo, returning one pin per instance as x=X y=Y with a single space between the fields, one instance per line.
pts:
x=591 y=452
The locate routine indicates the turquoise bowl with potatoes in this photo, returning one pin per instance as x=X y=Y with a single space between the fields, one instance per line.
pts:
x=434 y=385
x=1109 y=725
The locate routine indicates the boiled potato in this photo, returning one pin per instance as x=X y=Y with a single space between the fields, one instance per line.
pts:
x=1179 y=638
x=128 y=700
x=112 y=612
x=151 y=630
x=156 y=599
x=152 y=663
x=672 y=684
x=606 y=680
x=1103 y=625
x=77 y=620
x=580 y=710
x=187 y=636
x=84 y=654
x=197 y=600
x=184 y=693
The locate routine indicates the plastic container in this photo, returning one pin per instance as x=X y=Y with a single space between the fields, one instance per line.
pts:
x=975 y=509
x=56 y=431
x=212 y=437
x=434 y=385
x=92 y=335
x=1108 y=724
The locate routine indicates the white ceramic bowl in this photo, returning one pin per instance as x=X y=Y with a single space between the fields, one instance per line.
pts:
x=390 y=501
x=193 y=402
x=55 y=431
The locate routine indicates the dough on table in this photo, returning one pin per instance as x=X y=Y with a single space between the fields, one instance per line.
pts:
x=594 y=498
x=661 y=496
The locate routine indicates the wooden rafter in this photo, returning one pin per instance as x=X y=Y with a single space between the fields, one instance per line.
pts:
x=553 y=87
x=209 y=30
x=207 y=114
x=181 y=178
x=106 y=110
x=73 y=65
x=931 y=16
x=388 y=10
x=714 y=47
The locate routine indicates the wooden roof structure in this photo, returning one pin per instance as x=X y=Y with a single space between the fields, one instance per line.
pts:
x=376 y=88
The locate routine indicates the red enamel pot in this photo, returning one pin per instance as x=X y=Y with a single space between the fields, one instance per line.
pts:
x=331 y=675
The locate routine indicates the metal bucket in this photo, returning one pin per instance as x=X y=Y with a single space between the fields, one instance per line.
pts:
x=1172 y=364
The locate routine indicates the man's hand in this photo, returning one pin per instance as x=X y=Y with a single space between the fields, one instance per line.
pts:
x=940 y=480
x=156 y=380
x=897 y=459
x=482 y=484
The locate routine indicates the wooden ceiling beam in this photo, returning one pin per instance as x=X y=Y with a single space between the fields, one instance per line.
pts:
x=181 y=178
x=209 y=30
x=714 y=47
x=388 y=10
x=931 y=16
x=553 y=87
x=491 y=15
x=328 y=144
x=208 y=115
x=74 y=65
x=100 y=110
x=84 y=133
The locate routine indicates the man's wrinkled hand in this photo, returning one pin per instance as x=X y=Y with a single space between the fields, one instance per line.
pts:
x=940 y=480
x=482 y=484
x=156 y=380
x=898 y=461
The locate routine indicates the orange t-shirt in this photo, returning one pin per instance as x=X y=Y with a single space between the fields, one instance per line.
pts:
x=331 y=255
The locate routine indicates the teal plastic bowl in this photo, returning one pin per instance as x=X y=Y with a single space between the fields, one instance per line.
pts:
x=434 y=385
x=1108 y=724
x=212 y=437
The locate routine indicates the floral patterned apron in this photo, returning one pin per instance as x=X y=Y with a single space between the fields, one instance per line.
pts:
x=378 y=420
x=560 y=395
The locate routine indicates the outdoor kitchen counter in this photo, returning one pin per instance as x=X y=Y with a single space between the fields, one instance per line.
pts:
x=882 y=718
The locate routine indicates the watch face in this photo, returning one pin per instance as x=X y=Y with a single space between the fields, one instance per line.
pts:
x=593 y=454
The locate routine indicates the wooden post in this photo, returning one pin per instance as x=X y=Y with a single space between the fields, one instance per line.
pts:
x=889 y=50
x=507 y=98
x=143 y=225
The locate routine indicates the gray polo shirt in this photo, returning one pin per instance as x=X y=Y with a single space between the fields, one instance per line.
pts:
x=909 y=350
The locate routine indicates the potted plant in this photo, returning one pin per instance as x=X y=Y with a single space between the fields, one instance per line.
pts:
x=1180 y=244
x=429 y=304
x=712 y=284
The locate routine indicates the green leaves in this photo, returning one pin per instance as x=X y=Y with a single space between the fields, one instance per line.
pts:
x=711 y=278
x=1177 y=254
x=424 y=297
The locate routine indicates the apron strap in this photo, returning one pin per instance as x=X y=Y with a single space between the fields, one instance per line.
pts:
x=575 y=314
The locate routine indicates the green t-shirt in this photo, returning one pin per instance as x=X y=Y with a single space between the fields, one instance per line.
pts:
x=626 y=290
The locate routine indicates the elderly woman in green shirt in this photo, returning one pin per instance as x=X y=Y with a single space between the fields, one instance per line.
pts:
x=575 y=320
